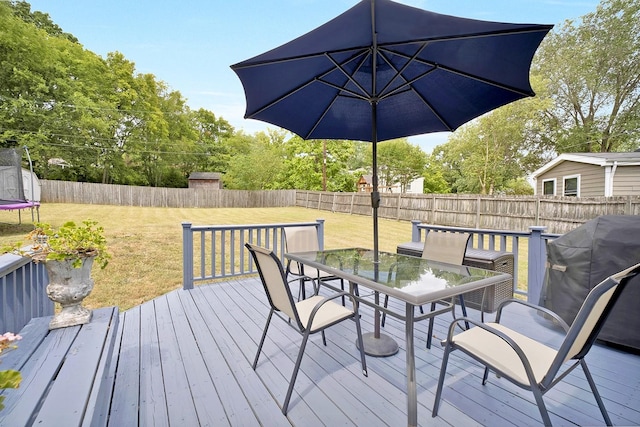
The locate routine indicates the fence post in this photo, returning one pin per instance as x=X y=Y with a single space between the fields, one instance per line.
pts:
x=415 y=231
x=187 y=256
x=537 y=261
x=320 y=233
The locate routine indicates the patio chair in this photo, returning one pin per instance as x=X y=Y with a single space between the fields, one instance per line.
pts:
x=309 y=316
x=531 y=364
x=448 y=248
x=305 y=239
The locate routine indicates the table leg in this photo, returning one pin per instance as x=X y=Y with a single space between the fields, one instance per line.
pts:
x=412 y=394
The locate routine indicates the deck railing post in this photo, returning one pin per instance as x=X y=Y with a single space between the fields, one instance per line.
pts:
x=187 y=256
x=320 y=222
x=415 y=231
x=537 y=261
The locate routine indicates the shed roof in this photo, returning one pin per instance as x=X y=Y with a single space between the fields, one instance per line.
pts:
x=205 y=175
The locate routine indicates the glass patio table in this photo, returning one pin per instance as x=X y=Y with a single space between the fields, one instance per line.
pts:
x=414 y=281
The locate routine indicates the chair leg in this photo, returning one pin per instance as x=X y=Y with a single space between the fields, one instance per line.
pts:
x=596 y=394
x=485 y=376
x=537 y=394
x=294 y=375
x=264 y=335
x=463 y=307
x=430 y=330
x=384 y=315
x=363 y=360
x=443 y=371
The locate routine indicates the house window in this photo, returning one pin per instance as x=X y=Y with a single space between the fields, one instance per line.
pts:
x=572 y=185
x=549 y=187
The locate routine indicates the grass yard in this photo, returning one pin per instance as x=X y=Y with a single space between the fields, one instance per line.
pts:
x=146 y=243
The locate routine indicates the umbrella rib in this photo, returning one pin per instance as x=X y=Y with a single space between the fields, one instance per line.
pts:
x=317 y=123
x=407 y=85
x=247 y=64
x=343 y=89
x=532 y=29
x=316 y=79
x=348 y=76
x=399 y=73
x=462 y=73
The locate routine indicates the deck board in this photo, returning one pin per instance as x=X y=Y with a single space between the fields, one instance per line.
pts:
x=191 y=352
x=126 y=372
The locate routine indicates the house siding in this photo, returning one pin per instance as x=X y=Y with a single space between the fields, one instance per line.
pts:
x=626 y=181
x=591 y=178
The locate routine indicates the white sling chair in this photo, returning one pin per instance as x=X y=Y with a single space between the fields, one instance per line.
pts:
x=442 y=247
x=305 y=239
x=308 y=316
x=528 y=363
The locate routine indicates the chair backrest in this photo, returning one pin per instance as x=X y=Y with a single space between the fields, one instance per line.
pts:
x=301 y=239
x=445 y=247
x=274 y=281
x=592 y=314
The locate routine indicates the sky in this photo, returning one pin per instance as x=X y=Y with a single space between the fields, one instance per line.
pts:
x=190 y=44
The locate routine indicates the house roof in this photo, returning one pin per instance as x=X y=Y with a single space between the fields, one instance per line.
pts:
x=204 y=175
x=598 y=159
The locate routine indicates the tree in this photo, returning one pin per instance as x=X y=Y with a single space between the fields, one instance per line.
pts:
x=256 y=162
x=210 y=153
x=317 y=165
x=400 y=162
x=593 y=73
x=508 y=143
x=434 y=177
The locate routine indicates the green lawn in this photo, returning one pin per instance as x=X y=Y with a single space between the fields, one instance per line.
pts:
x=146 y=243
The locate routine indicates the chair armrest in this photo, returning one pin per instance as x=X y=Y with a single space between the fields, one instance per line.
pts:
x=536 y=307
x=327 y=299
x=516 y=348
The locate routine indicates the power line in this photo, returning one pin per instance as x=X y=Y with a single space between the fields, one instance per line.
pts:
x=96 y=147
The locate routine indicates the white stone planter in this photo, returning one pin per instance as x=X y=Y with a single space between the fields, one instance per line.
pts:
x=69 y=286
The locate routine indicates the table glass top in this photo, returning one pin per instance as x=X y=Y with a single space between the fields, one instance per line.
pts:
x=410 y=275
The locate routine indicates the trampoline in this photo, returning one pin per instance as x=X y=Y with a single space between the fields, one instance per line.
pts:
x=14 y=195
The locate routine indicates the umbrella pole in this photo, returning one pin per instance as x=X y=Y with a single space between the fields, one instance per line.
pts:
x=376 y=344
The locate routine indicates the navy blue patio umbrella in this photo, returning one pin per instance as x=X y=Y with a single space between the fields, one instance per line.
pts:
x=383 y=70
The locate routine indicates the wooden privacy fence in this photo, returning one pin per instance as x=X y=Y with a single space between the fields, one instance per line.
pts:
x=557 y=214
x=518 y=213
x=130 y=195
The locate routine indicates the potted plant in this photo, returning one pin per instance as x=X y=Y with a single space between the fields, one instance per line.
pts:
x=69 y=252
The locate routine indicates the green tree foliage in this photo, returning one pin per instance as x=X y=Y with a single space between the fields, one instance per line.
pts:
x=256 y=162
x=593 y=72
x=488 y=154
x=97 y=117
x=317 y=165
x=400 y=162
x=434 y=177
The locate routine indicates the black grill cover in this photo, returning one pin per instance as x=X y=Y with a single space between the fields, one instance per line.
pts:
x=582 y=258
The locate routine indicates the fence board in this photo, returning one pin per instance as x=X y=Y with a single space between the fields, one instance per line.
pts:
x=518 y=213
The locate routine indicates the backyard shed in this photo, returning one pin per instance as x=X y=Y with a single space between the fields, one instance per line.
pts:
x=210 y=180
x=589 y=175
x=582 y=258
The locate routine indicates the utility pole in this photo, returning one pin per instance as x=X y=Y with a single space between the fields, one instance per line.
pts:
x=324 y=165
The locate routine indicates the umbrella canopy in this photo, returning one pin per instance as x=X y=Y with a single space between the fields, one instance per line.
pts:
x=422 y=71
x=383 y=70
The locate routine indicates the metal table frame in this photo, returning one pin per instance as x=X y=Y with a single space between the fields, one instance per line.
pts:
x=316 y=258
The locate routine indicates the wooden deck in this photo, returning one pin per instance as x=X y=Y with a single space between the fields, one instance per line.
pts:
x=184 y=359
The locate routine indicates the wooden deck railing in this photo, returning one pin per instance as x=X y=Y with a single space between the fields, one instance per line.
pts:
x=217 y=252
x=528 y=248
x=22 y=292
x=211 y=252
